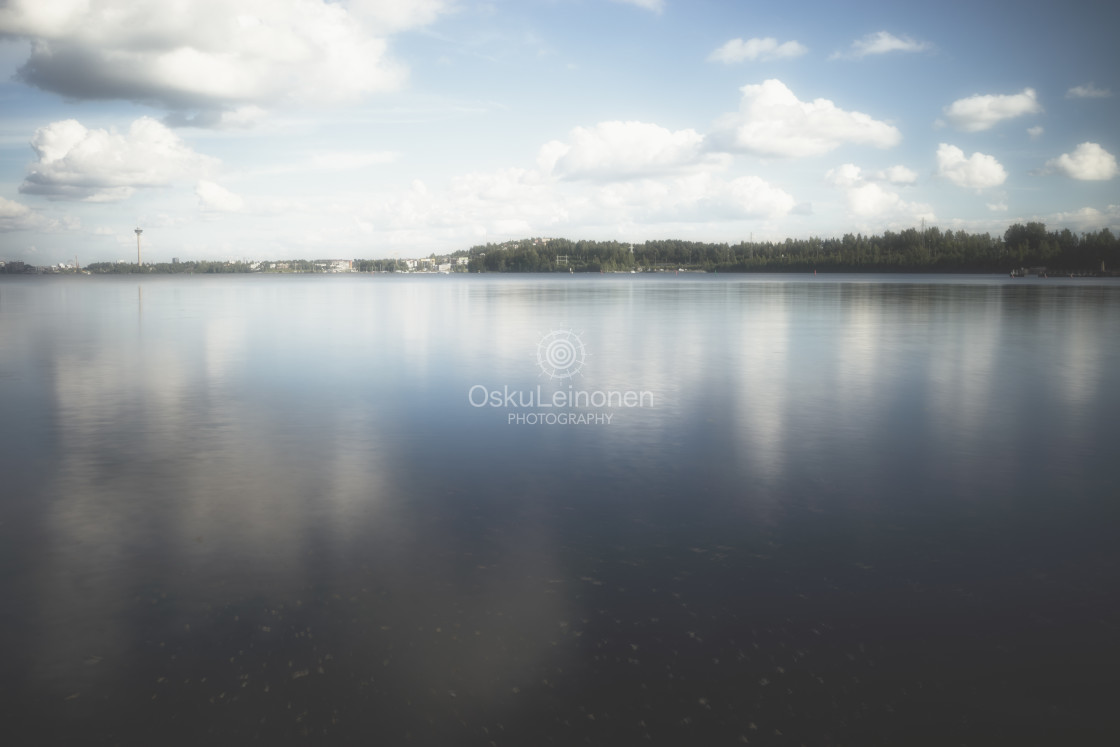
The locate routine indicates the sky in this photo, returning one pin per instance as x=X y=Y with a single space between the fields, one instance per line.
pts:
x=271 y=129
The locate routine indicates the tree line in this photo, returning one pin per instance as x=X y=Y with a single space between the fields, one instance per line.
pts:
x=929 y=250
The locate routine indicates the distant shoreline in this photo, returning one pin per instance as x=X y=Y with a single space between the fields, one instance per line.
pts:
x=1021 y=251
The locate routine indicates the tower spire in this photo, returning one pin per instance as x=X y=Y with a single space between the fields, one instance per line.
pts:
x=139 y=260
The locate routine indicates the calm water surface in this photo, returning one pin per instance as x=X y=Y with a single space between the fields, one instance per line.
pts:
x=856 y=510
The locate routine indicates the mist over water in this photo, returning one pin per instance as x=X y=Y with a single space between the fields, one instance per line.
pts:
x=860 y=510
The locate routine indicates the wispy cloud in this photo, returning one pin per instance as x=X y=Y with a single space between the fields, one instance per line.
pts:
x=1088 y=91
x=881 y=42
x=750 y=50
x=656 y=6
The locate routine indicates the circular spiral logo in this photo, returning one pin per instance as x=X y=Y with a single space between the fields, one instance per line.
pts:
x=561 y=354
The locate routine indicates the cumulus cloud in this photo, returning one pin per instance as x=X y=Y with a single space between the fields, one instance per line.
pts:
x=101 y=165
x=978 y=171
x=846 y=175
x=1035 y=132
x=1088 y=91
x=898 y=175
x=766 y=49
x=882 y=42
x=212 y=54
x=624 y=150
x=215 y=197
x=977 y=113
x=519 y=202
x=15 y=216
x=1088 y=162
x=655 y=6
x=609 y=175
x=867 y=198
x=1087 y=218
x=771 y=121
x=871 y=199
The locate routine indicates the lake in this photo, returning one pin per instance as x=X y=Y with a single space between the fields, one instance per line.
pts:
x=529 y=510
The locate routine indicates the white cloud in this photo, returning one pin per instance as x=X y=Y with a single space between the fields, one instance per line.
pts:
x=15 y=216
x=846 y=175
x=898 y=175
x=752 y=196
x=771 y=121
x=512 y=203
x=242 y=117
x=624 y=150
x=882 y=42
x=977 y=113
x=695 y=197
x=738 y=50
x=866 y=198
x=215 y=197
x=1088 y=91
x=1089 y=162
x=1035 y=132
x=655 y=6
x=103 y=166
x=390 y=16
x=1087 y=219
x=997 y=207
x=213 y=54
x=871 y=199
x=978 y=171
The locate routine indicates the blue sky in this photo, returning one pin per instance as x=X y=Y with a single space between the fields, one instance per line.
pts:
x=256 y=129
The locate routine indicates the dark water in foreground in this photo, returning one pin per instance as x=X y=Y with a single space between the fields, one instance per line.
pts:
x=263 y=509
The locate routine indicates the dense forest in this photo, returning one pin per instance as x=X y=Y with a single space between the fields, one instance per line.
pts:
x=930 y=250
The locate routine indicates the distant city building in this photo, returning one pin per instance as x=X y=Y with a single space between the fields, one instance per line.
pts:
x=174 y=260
x=445 y=267
x=462 y=260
